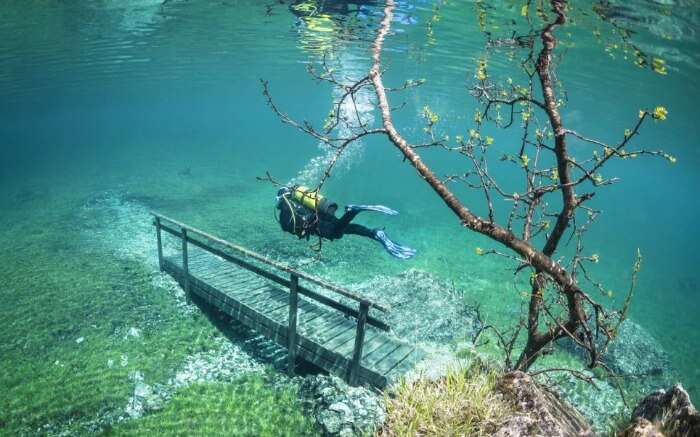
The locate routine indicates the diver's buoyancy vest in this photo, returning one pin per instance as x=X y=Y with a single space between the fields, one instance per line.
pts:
x=294 y=217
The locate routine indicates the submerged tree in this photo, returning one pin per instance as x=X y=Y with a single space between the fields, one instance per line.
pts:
x=533 y=232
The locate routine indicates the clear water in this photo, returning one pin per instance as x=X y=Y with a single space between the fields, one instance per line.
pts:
x=111 y=108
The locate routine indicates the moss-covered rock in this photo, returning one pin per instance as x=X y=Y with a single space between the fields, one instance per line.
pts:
x=670 y=412
x=537 y=410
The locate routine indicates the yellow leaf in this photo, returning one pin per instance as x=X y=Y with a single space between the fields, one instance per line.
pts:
x=660 y=113
x=524 y=160
x=659 y=65
x=481 y=70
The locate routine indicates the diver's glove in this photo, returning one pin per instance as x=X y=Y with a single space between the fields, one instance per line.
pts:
x=378 y=208
x=392 y=247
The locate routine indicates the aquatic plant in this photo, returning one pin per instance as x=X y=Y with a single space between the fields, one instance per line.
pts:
x=463 y=402
x=559 y=304
x=115 y=323
x=251 y=406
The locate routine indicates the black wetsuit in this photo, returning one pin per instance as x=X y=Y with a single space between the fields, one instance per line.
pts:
x=304 y=222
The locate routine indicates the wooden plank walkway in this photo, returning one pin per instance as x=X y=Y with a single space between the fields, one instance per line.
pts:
x=349 y=343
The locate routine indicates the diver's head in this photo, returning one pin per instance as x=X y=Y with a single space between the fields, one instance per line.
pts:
x=281 y=194
x=283 y=191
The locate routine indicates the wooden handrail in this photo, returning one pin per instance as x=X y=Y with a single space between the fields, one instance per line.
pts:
x=263 y=259
x=274 y=277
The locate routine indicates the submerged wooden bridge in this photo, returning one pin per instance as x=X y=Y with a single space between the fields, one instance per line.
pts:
x=314 y=325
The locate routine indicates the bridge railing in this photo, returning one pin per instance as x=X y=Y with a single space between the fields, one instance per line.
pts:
x=242 y=257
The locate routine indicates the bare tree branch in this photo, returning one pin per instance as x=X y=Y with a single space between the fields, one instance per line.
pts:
x=558 y=306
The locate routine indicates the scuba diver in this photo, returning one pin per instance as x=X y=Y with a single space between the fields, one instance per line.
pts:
x=305 y=212
x=332 y=26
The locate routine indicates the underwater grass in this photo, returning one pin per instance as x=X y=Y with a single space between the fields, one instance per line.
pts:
x=462 y=402
x=69 y=358
x=250 y=407
x=68 y=306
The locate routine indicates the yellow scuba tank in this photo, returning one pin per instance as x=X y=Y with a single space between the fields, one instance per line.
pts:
x=313 y=200
x=308 y=198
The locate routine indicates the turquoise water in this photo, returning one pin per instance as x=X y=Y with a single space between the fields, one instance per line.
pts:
x=112 y=108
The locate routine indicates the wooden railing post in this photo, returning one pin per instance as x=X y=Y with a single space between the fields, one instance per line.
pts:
x=292 y=338
x=185 y=265
x=359 y=343
x=160 y=244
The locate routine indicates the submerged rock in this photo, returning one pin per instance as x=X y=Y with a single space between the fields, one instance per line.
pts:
x=636 y=352
x=639 y=361
x=146 y=398
x=341 y=410
x=641 y=427
x=133 y=332
x=423 y=307
x=538 y=411
x=633 y=353
x=672 y=412
x=223 y=364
